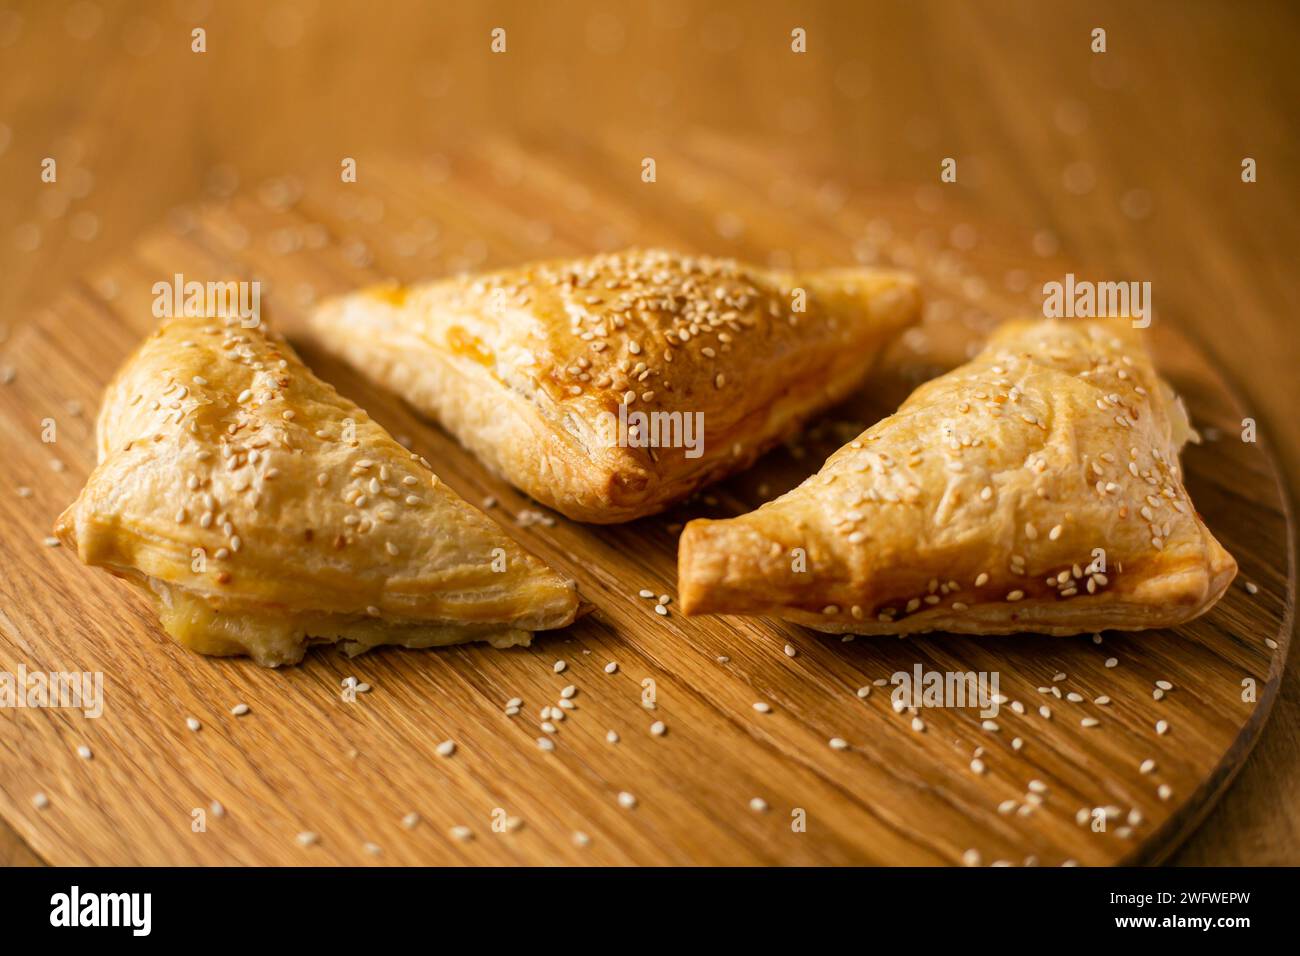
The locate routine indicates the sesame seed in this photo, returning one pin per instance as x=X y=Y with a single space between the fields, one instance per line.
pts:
x=790 y=651
x=446 y=748
x=546 y=743
x=626 y=800
x=1089 y=722
x=838 y=743
x=1016 y=743
x=611 y=668
x=971 y=858
x=193 y=723
x=762 y=707
x=1252 y=588
x=758 y=804
x=217 y=809
x=462 y=833
x=239 y=710
x=658 y=728
x=864 y=692
x=646 y=594
x=306 y=838
x=1045 y=712
x=411 y=820
x=1037 y=786
x=568 y=691
x=918 y=725
x=611 y=737
x=1112 y=662
x=661 y=610
x=559 y=667
x=1007 y=807
x=1164 y=685
x=372 y=848
x=1147 y=766
x=977 y=765
x=40 y=801
x=1165 y=791
x=1162 y=727
x=84 y=752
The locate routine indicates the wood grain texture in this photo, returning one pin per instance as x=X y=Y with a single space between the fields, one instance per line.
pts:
x=304 y=760
x=140 y=125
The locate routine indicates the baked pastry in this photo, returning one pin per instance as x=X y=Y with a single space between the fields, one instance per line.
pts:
x=1036 y=488
x=261 y=511
x=609 y=387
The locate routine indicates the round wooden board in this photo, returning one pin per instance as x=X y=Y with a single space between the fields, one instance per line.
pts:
x=306 y=760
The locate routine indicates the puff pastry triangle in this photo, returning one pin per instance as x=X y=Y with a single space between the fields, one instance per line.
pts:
x=262 y=511
x=612 y=386
x=1036 y=488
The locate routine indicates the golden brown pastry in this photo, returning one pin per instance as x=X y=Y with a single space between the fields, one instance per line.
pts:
x=612 y=386
x=261 y=511
x=1036 y=488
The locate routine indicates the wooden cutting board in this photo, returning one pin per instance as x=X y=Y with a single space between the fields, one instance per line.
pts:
x=306 y=760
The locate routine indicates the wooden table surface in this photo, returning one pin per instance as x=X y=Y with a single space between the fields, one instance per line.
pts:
x=1130 y=158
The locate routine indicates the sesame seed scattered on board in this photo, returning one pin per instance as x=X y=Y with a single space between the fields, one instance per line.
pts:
x=1112 y=662
x=758 y=804
x=411 y=820
x=611 y=737
x=1147 y=766
x=1164 y=791
x=661 y=610
x=568 y=691
x=40 y=801
x=546 y=743
x=658 y=728
x=307 y=838
x=763 y=707
x=1089 y=722
x=611 y=668
x=462 y=833
x=1162 y=727
x=239 y=710
x=918 y=725
x=581 y=839
x=626 y=800
x=446 y=748
x=977 y=765
x=838 y=743
x=790 y=651
x=971 y=858
x=193 y=723
x=1252 y=587
x=84 y=752
x=559 y=667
